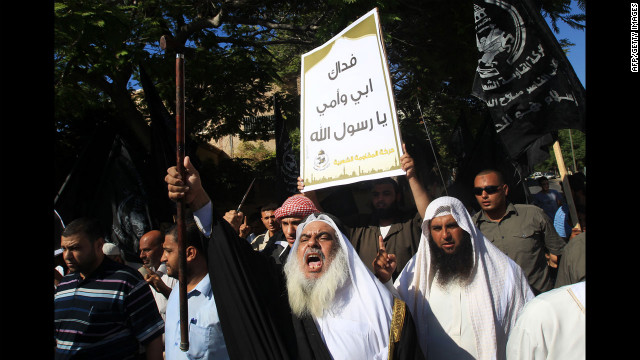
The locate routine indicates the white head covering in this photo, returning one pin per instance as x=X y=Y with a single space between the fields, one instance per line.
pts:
x=497 y=291
x=111 y=249
x=368 y=300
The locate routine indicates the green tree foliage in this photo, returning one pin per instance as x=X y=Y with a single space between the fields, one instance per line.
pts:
x=237 y=51
x=566 y=138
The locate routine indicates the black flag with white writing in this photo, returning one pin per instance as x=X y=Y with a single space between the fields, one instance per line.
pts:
x=287 y=170
x=523 y=75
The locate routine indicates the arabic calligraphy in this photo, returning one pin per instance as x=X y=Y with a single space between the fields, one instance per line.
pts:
x=343 y=99
x=342 y=67
x=507 y=120
x=520 y=70
x=325 y=133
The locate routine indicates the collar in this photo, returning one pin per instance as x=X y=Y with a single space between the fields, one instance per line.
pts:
x=510 y=209
x=203 y=287
x=283 y=243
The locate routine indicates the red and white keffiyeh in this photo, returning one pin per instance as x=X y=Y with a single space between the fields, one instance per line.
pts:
x=295 y=206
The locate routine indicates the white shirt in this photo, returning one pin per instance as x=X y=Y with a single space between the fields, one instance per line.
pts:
x=161 y=301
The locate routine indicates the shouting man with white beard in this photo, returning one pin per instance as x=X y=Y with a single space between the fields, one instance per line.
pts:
x=324 y=303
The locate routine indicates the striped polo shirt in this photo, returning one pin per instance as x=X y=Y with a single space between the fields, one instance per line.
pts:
x=105 y=316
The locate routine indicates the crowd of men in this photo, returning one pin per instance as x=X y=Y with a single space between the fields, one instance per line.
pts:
x=433 y=283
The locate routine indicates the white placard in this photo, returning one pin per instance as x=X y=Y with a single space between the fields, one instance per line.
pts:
x=348 y=125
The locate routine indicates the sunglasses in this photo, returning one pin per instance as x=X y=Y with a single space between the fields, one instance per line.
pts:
x=491 y=189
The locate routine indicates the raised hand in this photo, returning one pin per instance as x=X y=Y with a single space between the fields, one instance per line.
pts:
x=234 y=218
x=190 y=188
x=154 y=280
x=407 y=163
x=384 y=264
x=245 y=229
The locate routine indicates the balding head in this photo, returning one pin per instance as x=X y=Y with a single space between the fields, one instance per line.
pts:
x=151 y=248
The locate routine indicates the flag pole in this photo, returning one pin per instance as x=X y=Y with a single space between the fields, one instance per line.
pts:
x=180 y=208
x=565 y=185
x=182 y=278
x=435 y=156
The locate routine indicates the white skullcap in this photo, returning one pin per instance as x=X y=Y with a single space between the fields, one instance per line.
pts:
x=110 y=249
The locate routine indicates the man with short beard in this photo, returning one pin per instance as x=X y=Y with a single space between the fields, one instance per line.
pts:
x=463 y=292
x=336 y=310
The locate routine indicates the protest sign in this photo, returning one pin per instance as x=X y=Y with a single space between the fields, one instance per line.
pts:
x=348 y=125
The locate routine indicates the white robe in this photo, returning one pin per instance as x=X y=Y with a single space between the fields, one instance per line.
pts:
x=496 y=292
x=449 y=320
x=551 y=326
x=359 y=327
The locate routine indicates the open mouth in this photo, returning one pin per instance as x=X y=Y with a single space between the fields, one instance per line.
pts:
x=314 y=261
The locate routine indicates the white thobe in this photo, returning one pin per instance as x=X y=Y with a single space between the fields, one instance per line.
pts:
x=346 y=332
x=551 y=326
x=449 y=320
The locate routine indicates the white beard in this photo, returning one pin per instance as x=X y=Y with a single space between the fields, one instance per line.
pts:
x=314 y=296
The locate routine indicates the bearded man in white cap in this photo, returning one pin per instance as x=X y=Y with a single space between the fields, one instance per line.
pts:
x=464 y=293
x=324 y=303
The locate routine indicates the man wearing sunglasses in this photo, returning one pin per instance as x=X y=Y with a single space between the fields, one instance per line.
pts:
x=522 y=232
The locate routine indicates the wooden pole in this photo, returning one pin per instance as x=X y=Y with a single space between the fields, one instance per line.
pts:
x=565 y=186
x=573 y=155
x=180 y=215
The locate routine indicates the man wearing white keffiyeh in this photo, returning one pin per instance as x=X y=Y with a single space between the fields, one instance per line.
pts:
x=467 y=315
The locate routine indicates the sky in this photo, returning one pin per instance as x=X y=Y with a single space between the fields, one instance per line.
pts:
x=577 y=53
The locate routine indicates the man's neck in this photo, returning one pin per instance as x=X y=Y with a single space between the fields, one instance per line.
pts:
x=88 y=273
x=497 y=214
x=195 y=278
x=385 y=222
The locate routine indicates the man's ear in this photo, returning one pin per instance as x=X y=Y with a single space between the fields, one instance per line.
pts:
x=98 y=244
x=506 y=189
x=191 y=253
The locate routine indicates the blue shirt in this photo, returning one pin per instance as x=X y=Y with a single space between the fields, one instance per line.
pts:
x=561 y=222
x=547 y=202
x=205 y=334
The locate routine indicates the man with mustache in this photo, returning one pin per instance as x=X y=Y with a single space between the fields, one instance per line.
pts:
x=521 y=231
x=324 y=304
x=288 y=216
x=206 y=340
x=463 y=293
x=103 y=309
x=154 y=270
x=268 y=219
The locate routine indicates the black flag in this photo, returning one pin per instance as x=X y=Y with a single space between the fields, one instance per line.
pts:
x=108 y=183
x=122 y=200
x=287 y=170
x=523 y=75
